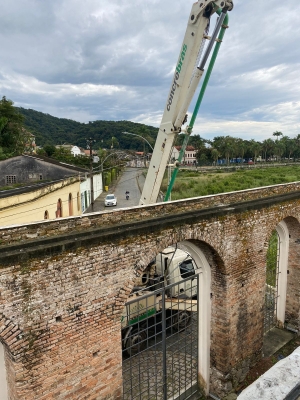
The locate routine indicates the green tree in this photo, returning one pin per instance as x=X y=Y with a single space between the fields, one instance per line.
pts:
x=114 y=142
x=289 y=146
x=279 y=149
x=49 y=149
x=267 y=147
x=240 y=146
x=62 y=154
x=255 y=148
x=13 y=137
x=226 y=146
x=201 y=150
x=215 y=155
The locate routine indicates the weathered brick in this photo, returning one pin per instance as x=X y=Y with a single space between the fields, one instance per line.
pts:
x=67 y=305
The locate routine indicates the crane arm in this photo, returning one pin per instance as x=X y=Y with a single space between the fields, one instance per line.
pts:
x=188 y=72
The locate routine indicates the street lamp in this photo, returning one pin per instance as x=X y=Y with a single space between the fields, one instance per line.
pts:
x=141 y=137
x=119 y=154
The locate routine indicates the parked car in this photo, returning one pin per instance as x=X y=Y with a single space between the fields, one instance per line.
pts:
x=110 y=200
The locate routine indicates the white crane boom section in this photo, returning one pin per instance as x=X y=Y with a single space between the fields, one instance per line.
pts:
x=184 y=83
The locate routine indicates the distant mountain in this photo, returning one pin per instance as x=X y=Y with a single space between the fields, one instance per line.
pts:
x=53 y=130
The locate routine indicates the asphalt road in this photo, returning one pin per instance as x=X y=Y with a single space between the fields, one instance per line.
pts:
x=129 y=182
x=132 y=179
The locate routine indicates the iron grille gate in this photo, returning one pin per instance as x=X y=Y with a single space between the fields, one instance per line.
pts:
x=160 y=344
x=271 y=291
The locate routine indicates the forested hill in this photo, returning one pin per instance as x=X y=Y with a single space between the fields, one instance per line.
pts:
x=53 y=130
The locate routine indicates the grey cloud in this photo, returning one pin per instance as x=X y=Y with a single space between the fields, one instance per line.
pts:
x=58 y=57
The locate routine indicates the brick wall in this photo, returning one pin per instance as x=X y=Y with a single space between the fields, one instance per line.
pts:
x=63 y=286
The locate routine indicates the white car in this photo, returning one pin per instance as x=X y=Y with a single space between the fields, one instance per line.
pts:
x=110 y=200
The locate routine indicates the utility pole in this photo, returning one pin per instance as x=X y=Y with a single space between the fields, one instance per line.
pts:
x=89 y=145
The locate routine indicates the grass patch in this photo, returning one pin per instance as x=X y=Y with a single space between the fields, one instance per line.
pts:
x=194 y=183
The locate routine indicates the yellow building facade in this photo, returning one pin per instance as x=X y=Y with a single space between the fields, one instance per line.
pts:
x=49 y=201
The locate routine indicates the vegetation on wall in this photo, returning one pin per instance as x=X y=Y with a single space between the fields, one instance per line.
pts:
x=272 y=259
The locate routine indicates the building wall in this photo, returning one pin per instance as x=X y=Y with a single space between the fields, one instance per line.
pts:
x=62 y=296
x=189 y=155
x=85 y=190
x=31 y=169
x=32 y=206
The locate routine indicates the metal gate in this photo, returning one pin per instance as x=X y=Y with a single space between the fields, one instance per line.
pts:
x=160 y=343
x=271 y=287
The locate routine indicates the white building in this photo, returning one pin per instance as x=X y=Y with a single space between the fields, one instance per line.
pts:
x=189 y=157
x=74 y=150
x=85 y=190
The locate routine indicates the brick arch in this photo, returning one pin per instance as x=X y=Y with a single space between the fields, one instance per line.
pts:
x=10 y=333
x=212 y=303
x=174 y=236
x=212 y=289
x=288 y=228
x=274 y=221
x=11 y=339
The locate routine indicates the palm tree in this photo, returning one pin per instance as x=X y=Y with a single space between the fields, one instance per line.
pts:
x=255 y=148
x=215 y=155
x=277 y=134
x=297 y=142
x=279 y=149
x=240 y=148
x=267 y=147
x=291 y=148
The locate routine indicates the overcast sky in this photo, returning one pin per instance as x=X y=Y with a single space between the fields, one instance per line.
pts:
x=114 y=60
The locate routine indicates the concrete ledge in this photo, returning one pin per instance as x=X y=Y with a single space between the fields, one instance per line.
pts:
x=278 y=382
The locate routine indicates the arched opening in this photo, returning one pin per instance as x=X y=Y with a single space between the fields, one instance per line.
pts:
x=3 y=375
x=283 y=253
x=276 y=278
x=70 y=203
x=59 y=209
x=169 y=321
x=204 y=312
x=46 y=215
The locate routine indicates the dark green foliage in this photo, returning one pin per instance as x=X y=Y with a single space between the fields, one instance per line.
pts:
x=107 y=178
x=272 y=259
x=49 y=149
x=108 y=134
x=12 y=137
